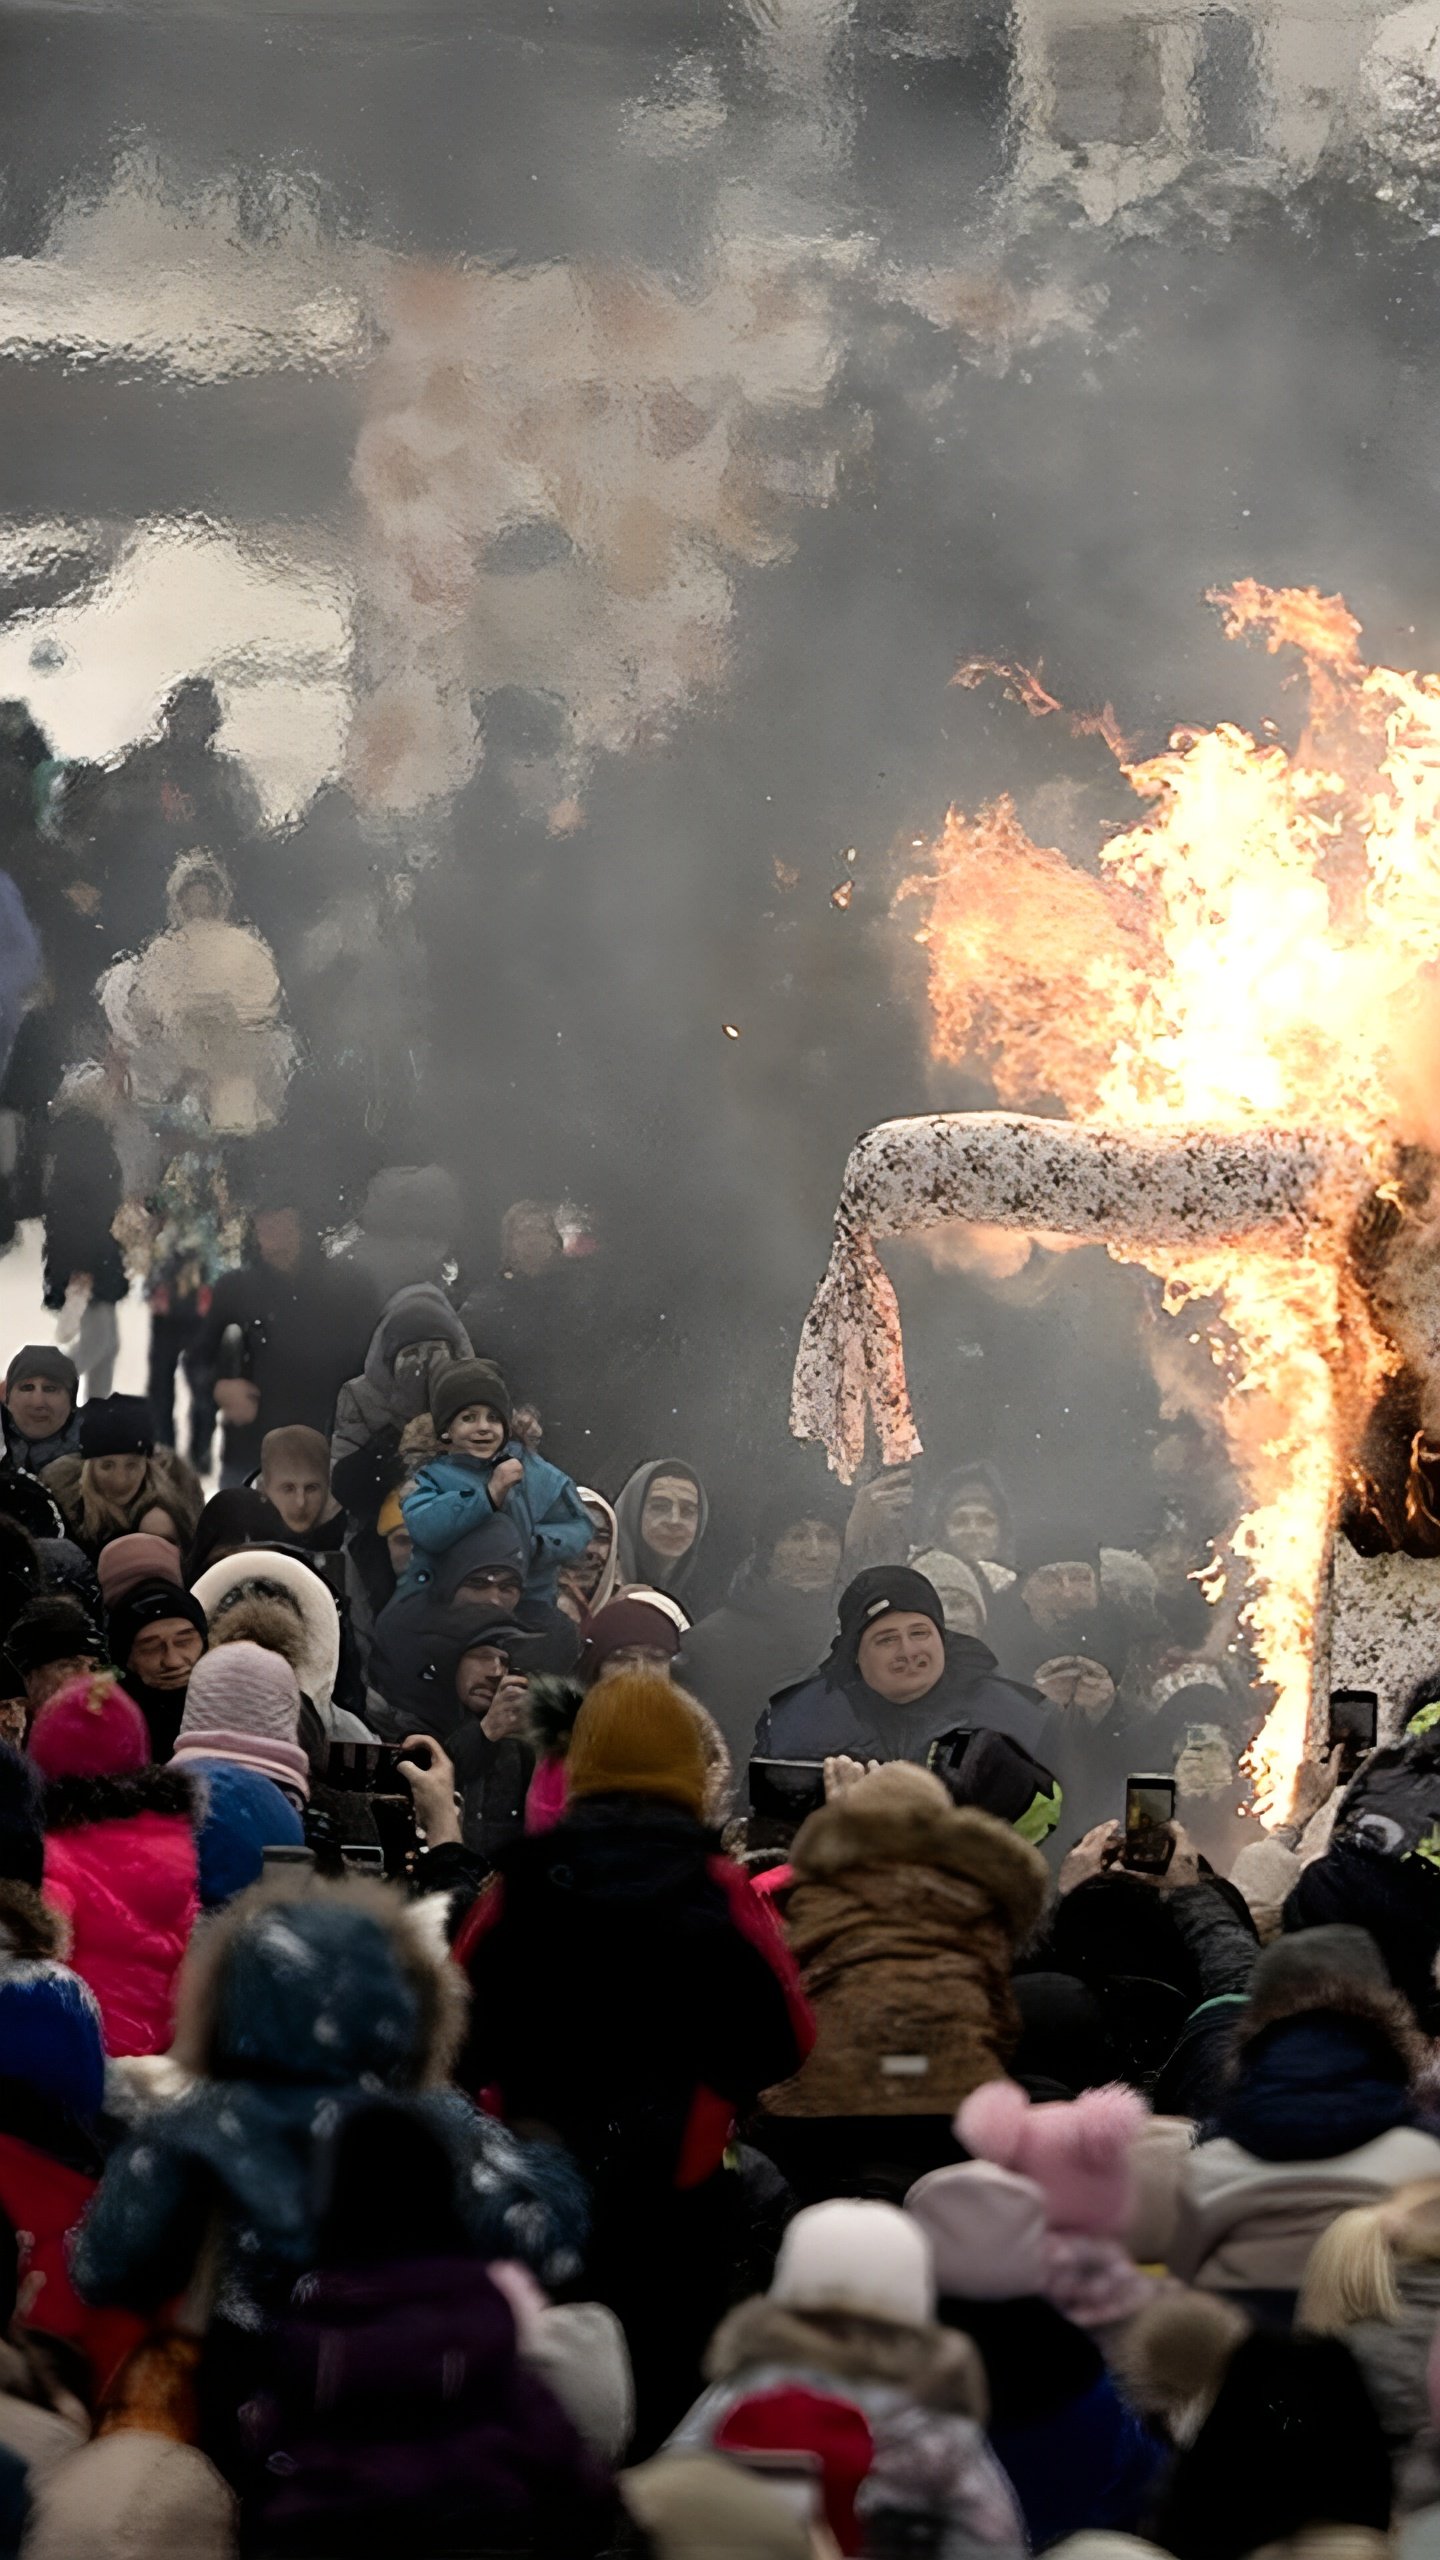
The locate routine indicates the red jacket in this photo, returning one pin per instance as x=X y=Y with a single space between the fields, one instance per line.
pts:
x=43 y=2200
x=120 y=1862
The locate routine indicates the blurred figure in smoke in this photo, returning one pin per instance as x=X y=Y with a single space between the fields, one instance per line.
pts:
x=301 y=1324
x=85 y=1276
x=178 y=790
x=194 y=1236
x=663 y=1514
x=539 y=1318
x=776 y=1618
x=199 y=1010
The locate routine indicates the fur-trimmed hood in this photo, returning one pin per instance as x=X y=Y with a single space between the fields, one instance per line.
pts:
x=30 y=1932
x=1388 y=2013
x=939 y=2368
x=312 y=1596
x=396 y=2008
x=885 y=1822
x=74 y=1804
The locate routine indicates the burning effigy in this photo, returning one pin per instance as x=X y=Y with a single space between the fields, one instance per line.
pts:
x=1237 y=1010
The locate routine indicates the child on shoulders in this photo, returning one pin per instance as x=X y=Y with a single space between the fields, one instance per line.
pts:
x=482 y=1468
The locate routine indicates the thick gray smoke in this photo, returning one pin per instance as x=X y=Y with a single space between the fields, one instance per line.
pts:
x=582 y=445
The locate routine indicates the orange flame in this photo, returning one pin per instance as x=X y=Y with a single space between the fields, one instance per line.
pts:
x=1258 y=950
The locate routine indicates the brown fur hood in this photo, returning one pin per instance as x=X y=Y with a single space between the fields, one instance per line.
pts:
x=30 y=1932
x=72 y=1804
x=1388 y=2012
x=441 y=1990
x=901 y=1816
x=940 y=2368
x=270 y=1623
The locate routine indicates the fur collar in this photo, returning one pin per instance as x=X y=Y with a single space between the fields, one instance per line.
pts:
x=1388 y=2012
x=30 y=1932
x=441 y=1990
x=72 y=1804
x=938 y=2367
x=959 y=1839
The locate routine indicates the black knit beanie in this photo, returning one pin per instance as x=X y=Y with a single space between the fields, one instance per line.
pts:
x=52 y=1629
x=464 y=1383
x=116 y=1427
x=874 y=1594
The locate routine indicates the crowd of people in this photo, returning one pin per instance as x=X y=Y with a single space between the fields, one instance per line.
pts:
x=546 y=2007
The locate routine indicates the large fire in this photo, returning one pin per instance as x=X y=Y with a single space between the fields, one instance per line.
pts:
x=1257 y=953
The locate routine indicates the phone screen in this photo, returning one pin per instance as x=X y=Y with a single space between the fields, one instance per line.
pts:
x=366 y=1768
x=1354 y=1719
x=1149 y=1812
x=785 y=1791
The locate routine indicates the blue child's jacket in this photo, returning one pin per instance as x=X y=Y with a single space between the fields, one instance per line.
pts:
x=452 y=1496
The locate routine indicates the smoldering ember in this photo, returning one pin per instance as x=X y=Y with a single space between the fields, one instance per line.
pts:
x=720 y=1258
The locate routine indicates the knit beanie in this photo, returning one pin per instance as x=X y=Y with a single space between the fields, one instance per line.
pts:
x=127 y=1561
x=90 y=1729
x=243 y=1704
x=116 y=1427
x=42 y=1360
x=143 y=1606
x=22 y=1836
x=863 y=2260
x=464 y=1383
x=1077 y=2149
x=987 y=2228
x=52 y=1629
x=622 y=1623
x=827 y=2431
x=638 y=1735
x=881 y=1589
x=953 y=1578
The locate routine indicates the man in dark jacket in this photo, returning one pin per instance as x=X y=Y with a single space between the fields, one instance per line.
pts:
x=39 y=1417
x=895 y=1680
x=632 y=1993
x=304 y=1323
x=775 y=1620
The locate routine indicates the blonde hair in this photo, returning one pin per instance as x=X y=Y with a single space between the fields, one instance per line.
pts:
x=1352 y=2271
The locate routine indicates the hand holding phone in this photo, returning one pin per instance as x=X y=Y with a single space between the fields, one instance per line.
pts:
x=1149 y=1834
x=1354 y=1724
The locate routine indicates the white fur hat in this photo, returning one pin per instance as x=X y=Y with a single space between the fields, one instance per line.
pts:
x=320 y=1656
x=869 y=2261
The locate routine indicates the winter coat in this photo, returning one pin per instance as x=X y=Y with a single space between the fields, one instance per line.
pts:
x=452 y=1496
x=52 y=2090
x=121 y=1864
x=305 y=1332
x=629 y=1989
x=1076 y=2455
x=1320 y=2118
x=763 y=1638
x=934 y=2484
x=419 y=1636
x=276 y=2063
x=368 y=1406
x=827 y=1713
x=83 y=1194
x=317 y=1658
x=401 y=2406
x=904 y=1918
x=493 y=1780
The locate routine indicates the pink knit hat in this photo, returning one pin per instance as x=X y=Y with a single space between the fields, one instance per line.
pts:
x=90 y=1729
x=243 y=1704
x=125 y=1562
x=987 y=2228
x=1077 y=2149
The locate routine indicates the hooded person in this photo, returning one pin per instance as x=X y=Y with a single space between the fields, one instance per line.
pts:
x=1323 y=2113
x=157 y=1633
x=408 y=1229
x=489 y=1747
x=1075 y=2454
x=969 y=1517
x=962 y=1589
x=411 y=1661
x=270 y=1573
x=202 y=1007
x=776 y=1618
x=895 y=1680
x=300 y=2001
x=588 y=1581
x=850 y=2319
x=1059 y=1609
x=903 y=1914
x=631 y=1991
x=418 y=1335
x=239 y=1735
x=120 y=1857
x=661 y=1517
x=39 y=1415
